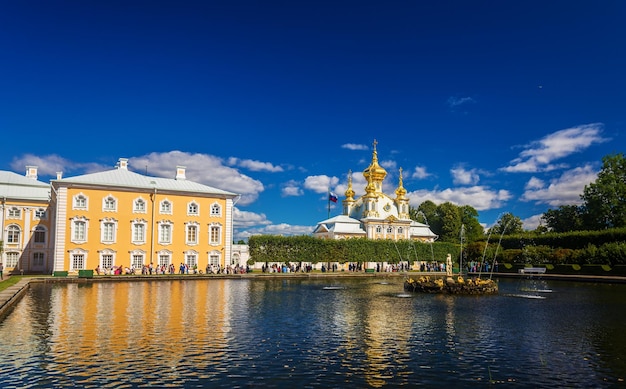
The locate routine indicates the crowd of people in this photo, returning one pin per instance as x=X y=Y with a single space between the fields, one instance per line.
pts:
x=183 y=268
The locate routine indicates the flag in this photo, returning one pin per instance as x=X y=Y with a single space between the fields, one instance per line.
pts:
x=332 y=197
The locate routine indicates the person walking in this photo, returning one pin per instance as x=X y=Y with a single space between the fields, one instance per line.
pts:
x=1 y=271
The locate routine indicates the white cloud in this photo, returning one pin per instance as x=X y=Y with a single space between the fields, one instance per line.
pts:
x=49 y=165
x=532 y=222
x=419 y=172
x=274 y=229
x=320 y=184
x=245 y=219
x=454 y=102
x=539 y=155
x=354 y=146
x=564 y=190
x=255 y=166
x=480 y=198
x=462 y=176
x=202 y=168
x=291 y=188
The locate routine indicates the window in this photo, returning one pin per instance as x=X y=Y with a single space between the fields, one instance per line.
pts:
x=214 y=259
x=109 y=204
x=78 y=261
x=80 y=202
x=165 y=233
x=13 y=234
x=41 y=214
x=39 y=235
x=106 y=261
x=15 y=213
x=139 y=206
x=379 y=229
x=400 y=230
x=139 y=232
x=12 y=259
x=136 y=261
x=191 y=259
x=79 y=230
x=216 y=210
x=108 y=231
x=164 y=259
x=166 y=207
x=193 y=209
x=389 y=230
x=38 y=259
x=214 y=234
x=192 y=234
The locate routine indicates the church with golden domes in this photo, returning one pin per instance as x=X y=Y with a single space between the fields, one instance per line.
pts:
x=375 y=215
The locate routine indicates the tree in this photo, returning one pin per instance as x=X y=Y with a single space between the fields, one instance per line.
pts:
x=469 y=218
x=450 y=217
x=604 y=201
x=508 y=224
x=564 y=219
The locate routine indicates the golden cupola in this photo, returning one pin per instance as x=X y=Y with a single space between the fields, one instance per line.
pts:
x=374 y=172
x=400 y=191
x=350 y=192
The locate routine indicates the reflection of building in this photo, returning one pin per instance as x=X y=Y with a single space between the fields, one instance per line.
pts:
x=25 y=221
x=374 y=215
x=122 y=218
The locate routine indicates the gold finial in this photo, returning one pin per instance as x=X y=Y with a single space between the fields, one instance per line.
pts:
x=350 y=191
x=400 y=191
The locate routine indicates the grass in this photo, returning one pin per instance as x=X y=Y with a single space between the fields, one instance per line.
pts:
x=9 y=282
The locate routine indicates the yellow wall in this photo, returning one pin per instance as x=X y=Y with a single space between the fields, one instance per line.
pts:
x=125 y=215
x=26 y=247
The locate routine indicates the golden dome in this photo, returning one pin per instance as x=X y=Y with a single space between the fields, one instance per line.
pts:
x=377 y=172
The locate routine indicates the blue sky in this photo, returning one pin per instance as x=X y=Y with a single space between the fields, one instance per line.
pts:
x=502 y=105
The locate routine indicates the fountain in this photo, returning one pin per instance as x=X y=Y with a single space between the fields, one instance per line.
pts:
x=451 y=285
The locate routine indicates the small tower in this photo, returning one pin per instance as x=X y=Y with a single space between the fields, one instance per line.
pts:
x=402 y=202
x=348 y=203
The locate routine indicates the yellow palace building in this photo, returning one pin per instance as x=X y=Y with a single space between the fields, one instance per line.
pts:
x=120 y=218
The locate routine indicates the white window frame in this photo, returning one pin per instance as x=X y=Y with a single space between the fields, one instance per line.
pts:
x=108 y=230
x=40 y=214
x=166 y=231
x=14 y=213
x=39 y=259
x=166 y=207
x=191 y=258
x=164 y=257
x=214 y=258
x=140 y=205
x=40 y=235
x=14 y=234
x=191 y=238
x=216 y=210
x=137 y=259
x=78 y=260
x=109 y=204
x=80 y=201
x=215 y=234
x=107 y=259
x=138 y=227
x=79 y=229
x=193 y=209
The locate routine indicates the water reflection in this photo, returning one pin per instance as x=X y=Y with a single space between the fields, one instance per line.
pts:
x=294 y=332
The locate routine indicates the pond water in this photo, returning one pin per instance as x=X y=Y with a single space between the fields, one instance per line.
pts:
x=313 y=333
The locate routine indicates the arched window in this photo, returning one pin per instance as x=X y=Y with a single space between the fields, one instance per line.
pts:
x=216 y=210
x=39 y=234
x=13 y=234
x=80 y=201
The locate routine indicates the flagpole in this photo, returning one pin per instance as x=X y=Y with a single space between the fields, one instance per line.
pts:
x=328 y=203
